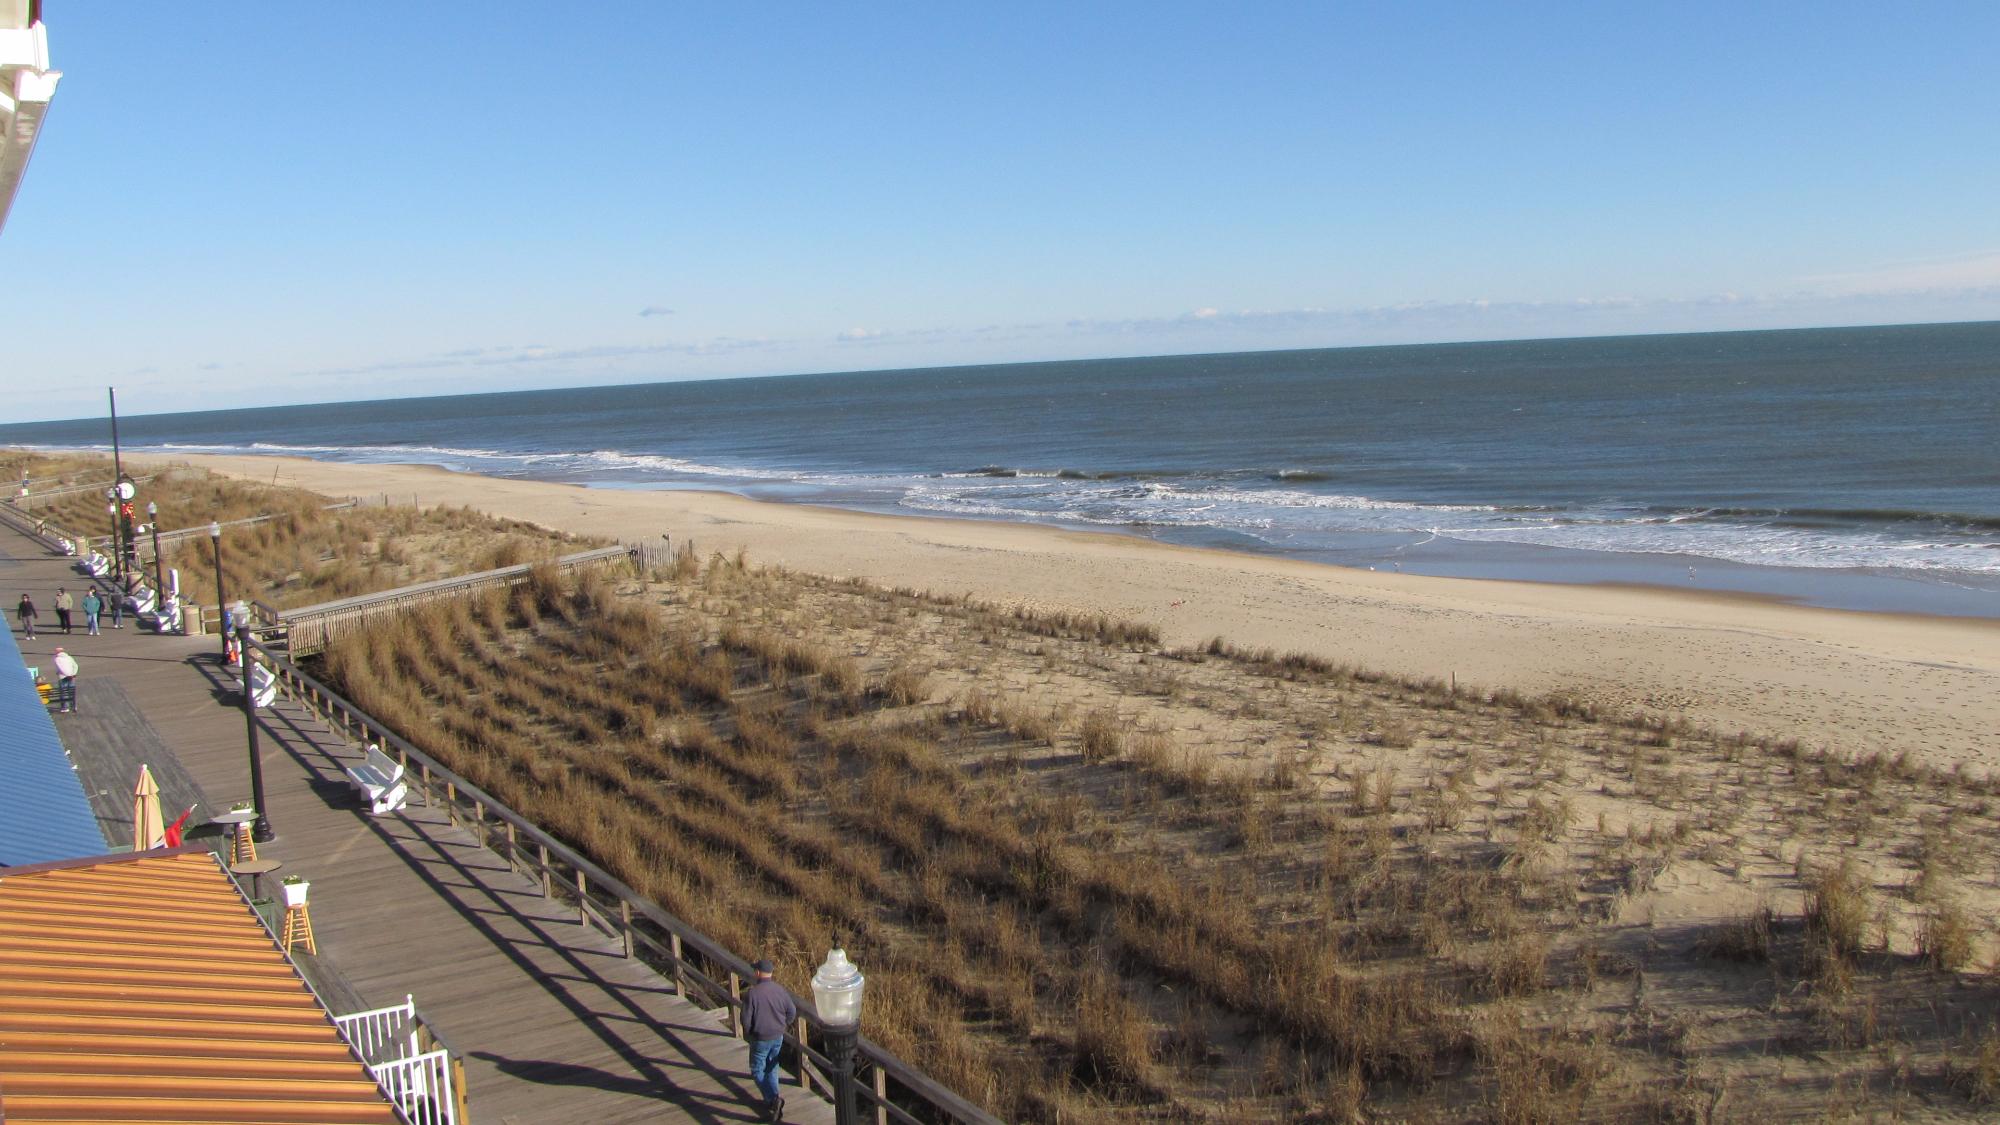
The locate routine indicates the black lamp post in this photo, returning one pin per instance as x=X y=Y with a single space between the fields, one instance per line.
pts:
x=159 y=574
x=130 y=558
x=837 y=995
x=215 y=538
x=117 y=548
x=261 y=829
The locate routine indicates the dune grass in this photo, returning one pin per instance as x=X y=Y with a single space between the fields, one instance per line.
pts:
x=305 y=553
x=1093 y=880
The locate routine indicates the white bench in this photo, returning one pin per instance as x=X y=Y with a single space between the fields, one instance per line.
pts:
x=379 y=781
x=142 y=602
x=96 y=565
x=165 y=619
x=266 y=682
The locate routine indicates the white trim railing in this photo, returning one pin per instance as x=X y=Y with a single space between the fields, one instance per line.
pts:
x=421 y=1087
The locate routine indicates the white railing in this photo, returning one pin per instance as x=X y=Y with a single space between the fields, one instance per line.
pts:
x=390 y=1041
x=384 y=1034
x=421 y=1088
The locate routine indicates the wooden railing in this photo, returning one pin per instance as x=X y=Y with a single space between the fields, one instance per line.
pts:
x=699 y=969
x=311 y=628
x=26 y=502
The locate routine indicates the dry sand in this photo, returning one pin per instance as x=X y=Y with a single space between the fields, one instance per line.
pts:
x=1846 y=681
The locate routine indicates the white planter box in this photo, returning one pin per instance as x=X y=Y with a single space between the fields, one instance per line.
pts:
x=295 y=893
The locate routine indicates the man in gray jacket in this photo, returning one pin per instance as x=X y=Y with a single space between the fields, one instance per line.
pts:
x=767 y=1012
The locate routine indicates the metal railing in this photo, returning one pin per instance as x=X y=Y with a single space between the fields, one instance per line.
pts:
x=423 y=1078
x=421 y=1087
x=383 y=1034
x=698 y=969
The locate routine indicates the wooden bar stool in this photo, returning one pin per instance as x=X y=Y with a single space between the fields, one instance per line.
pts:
x=299 y=928
x=246 y=844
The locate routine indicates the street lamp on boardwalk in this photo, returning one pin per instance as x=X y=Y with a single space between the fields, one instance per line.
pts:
x=215 y=538
x=261 y=829
x=159 y=575
x=837 y=995
x=111 y=509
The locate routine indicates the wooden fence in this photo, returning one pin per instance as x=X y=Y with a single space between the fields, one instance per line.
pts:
x=309 y=629
x=699 y=969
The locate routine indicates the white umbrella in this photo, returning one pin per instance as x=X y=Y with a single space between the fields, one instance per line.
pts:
x=149 y=828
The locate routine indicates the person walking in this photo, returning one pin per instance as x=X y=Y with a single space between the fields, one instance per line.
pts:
x=64 y=603
x=767 y=1011
x=65 y=680
x=117 y=609
x=25 y=614
x=92 y=606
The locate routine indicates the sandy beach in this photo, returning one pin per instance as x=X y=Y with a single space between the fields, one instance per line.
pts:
x=1845 y=681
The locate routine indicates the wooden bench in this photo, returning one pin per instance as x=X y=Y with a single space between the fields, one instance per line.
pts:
x=266 y=682
x=379 y=781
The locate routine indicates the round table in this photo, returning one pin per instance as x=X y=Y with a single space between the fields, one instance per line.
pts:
x=256 y=869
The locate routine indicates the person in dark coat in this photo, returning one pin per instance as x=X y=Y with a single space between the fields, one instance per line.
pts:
x=768 y=1011
x=25 y=614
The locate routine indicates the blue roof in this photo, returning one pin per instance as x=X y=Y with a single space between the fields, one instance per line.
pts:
x=43 y=812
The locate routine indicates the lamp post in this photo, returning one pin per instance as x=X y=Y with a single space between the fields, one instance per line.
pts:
x=111 y=508
x=215 y=538
x=260 y=830
x=159 y=575
x=837 y=995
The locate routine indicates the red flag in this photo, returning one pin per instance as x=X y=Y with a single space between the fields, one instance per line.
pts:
x=175 y=829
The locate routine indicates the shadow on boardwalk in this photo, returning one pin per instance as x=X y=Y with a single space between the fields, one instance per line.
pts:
x=553 y=1021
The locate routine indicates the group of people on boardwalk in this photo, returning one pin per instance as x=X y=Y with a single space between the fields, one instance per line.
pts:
x=93 y=605
x=65 y=605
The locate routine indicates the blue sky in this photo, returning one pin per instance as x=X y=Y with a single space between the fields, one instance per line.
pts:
x=253 y=203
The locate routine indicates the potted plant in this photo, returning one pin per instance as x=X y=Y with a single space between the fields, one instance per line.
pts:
x=295 y=890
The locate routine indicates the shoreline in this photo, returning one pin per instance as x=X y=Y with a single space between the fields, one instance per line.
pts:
x=1845 y=680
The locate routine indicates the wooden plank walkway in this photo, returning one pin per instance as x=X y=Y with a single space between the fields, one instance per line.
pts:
x=554 y=1023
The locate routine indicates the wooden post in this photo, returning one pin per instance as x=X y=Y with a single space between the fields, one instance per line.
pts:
x=625 y=923
x=458 y=1089
x=805 y=1069
x=548 y=886
x=513 y=849
x=680 y=982
x=881 y=1097
x=451 y=802
x=479 y=823
x=582 y=897
x=736 y=1004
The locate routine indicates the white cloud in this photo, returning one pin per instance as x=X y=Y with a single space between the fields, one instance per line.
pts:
x=656 y=310
x=853 y=334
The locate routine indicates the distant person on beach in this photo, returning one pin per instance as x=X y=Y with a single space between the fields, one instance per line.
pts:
x=92 y=607
x=767 y=1011
x=64 y=603
x=25 y=614
x=65 y=681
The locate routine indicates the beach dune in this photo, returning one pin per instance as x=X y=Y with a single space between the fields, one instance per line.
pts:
x=1844 y=681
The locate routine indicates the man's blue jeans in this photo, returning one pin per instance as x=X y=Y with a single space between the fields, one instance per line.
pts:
x=764 y=1067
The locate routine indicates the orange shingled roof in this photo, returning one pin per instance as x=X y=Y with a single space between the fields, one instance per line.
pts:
x=142 y=989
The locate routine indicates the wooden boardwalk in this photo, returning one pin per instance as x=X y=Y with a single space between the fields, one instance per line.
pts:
x=554 y=1023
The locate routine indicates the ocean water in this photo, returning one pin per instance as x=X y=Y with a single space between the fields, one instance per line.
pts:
x=1856 y=468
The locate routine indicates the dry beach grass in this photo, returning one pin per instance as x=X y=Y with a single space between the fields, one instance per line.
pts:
x=307 y=551
x=1097 y=878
